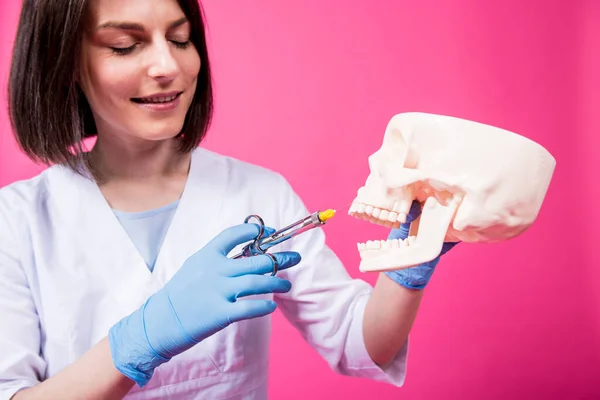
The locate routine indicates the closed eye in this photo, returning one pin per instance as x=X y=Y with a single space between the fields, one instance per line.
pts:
x=181 y=45
x=128 y=50
x=123 y=50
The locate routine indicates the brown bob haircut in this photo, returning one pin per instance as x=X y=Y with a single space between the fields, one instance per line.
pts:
x=49 y=113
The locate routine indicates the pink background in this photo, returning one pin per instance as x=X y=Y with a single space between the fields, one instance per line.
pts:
x=516 y=320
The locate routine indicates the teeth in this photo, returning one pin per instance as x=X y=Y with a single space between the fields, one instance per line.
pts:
x=386 y=244
x=388 y=218
x=393 y=216
x=158 y=99
x=401 y=218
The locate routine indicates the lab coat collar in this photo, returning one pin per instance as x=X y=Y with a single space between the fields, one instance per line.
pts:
x=117 y=261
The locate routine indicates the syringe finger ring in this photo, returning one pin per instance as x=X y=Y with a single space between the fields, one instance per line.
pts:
x=275 y=263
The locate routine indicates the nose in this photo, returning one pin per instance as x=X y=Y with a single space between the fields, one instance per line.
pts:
x=163 y=66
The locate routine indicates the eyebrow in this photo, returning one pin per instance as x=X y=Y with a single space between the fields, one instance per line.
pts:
x=133 y=26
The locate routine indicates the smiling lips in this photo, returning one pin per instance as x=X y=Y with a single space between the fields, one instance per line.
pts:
x=161 y=98
x=159 y=102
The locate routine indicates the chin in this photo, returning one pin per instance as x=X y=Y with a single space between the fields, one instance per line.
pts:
x=159 y=133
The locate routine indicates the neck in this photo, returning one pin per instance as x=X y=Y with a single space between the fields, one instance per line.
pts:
x=118 y=161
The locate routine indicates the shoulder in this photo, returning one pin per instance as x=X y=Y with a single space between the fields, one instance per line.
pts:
x=24 y=195
x=242 y=173
x=254 y=185
x=29 y=204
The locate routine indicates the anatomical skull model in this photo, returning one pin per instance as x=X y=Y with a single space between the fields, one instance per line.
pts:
x=475 y=182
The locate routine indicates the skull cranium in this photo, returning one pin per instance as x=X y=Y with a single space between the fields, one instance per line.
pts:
x=476 y=183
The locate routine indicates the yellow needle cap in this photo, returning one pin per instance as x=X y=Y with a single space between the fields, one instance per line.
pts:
x=325 y=215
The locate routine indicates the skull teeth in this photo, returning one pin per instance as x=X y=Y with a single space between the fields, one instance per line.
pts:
x=380 y=216
x=386 y=244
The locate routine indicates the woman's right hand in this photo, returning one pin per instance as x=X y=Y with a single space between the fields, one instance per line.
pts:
x=200 y=300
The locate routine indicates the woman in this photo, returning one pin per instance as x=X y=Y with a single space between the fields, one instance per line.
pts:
x=114 y=275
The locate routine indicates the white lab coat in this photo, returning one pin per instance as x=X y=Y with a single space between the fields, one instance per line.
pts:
x=68 y=272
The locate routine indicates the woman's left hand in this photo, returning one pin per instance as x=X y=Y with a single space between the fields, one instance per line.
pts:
x=416 y=277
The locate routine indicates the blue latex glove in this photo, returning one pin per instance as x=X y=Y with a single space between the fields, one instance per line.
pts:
x=416 y=277
x=197 y=302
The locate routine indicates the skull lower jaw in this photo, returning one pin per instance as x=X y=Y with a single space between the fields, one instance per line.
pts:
x=390 y=258
x=424 y=246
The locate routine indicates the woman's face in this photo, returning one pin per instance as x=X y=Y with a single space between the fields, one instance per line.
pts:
x=138 y=68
